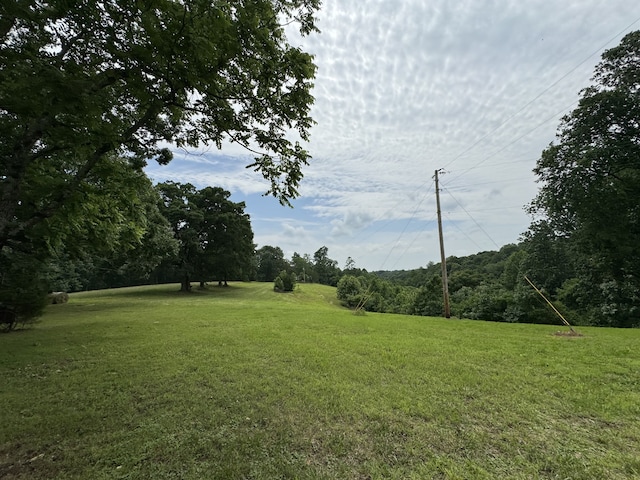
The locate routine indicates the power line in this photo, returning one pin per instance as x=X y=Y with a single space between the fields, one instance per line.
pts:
x=395 y=207
x=495 y=209
x=515 y=141
x=429 y=222
x=405 y=228
x=455 y=224
x=512 y=179
x=473 y=219
x=541 y=93
x=497 y=164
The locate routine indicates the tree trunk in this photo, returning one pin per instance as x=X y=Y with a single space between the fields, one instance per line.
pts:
x=185 y=286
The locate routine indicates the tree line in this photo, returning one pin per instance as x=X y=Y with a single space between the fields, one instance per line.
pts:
x=190 y=235
x=491 y=286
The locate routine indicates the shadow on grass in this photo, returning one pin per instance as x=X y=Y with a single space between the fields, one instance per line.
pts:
x=166 y=290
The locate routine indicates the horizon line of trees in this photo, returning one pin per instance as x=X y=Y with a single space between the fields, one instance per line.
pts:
x=484 y=286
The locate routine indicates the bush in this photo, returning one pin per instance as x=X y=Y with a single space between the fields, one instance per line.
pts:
x=285 y=282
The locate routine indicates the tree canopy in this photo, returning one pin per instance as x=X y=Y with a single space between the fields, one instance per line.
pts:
x=214 y=233
x=590 y=184
x=82 y=81
x=270 y=262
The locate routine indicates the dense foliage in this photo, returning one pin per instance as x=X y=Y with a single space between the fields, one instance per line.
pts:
x=214 y=235
x=484 y=286
x=270 y=262
x=113 y=231
x=285 y=282
x=80 y=83
x=590 y=188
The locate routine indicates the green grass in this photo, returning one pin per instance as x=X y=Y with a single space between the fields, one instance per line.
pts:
x=244 y=383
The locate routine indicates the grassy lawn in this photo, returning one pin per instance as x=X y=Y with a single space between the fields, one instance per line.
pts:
x=244 y=383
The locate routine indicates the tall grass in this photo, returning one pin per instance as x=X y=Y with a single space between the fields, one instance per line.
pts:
x=242 y=382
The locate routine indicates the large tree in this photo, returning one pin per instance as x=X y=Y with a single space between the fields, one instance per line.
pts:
x=80 y=81
x=591 y=184
x=226 y=237
x=302 y=266
x=214 y=233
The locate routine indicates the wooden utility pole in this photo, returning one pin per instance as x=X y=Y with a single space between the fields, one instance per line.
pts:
x=443 y=261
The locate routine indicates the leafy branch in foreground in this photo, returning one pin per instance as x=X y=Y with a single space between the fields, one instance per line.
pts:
x=126 y=77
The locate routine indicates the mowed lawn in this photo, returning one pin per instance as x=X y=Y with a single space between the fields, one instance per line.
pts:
x=245 y=383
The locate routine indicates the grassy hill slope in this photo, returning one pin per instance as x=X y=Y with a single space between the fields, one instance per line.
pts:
x=242 y=382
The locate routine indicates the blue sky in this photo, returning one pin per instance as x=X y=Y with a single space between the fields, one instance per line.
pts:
x=405 y=87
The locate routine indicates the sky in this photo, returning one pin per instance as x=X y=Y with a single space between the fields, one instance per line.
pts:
x=473 y=88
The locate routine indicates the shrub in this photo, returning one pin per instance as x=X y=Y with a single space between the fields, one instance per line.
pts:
x=285 y=282
x=350 y=291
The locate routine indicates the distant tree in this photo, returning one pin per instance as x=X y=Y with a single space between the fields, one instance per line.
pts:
x=590 y=182
x=225 y=236
x=350 y=290
x=270 y=262
x=416 y=278
x=464 y=278
x=303 y=267
x=214 y=233
x=351 y=269
x=350 y=264
x=326 y=268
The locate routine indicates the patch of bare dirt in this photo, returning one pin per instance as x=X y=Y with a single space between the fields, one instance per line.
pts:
x=568 y=333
